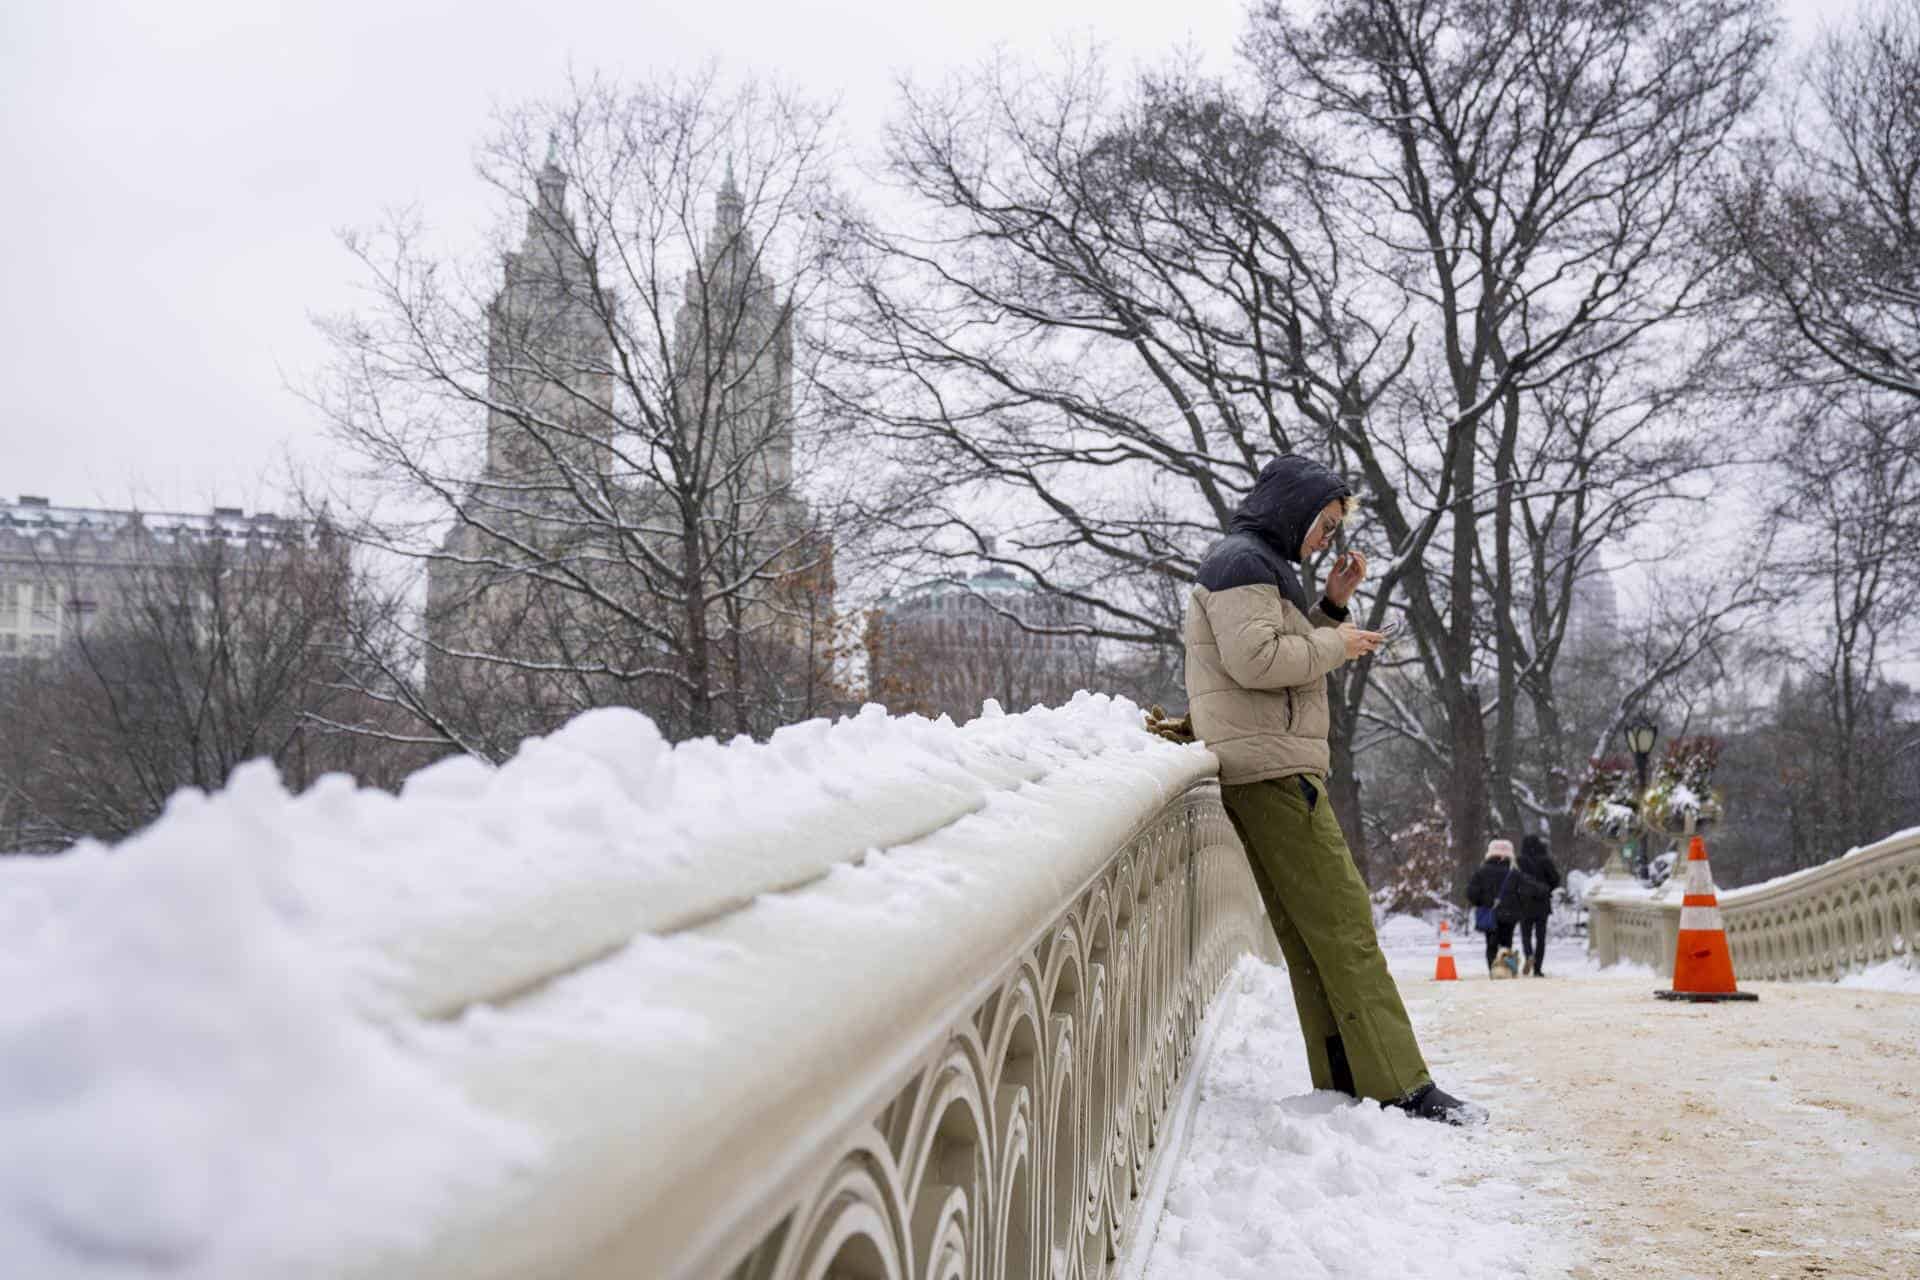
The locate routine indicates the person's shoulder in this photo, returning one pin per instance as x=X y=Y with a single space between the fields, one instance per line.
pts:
x=1237 y=560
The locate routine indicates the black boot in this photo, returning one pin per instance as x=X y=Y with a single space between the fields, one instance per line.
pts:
x=1430 y=1102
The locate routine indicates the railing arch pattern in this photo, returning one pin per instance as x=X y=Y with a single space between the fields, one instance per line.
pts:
x=1021 y=1145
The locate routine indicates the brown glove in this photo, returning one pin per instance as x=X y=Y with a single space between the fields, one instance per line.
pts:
x=1180 y=730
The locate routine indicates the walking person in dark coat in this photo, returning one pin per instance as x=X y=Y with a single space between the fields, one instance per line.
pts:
x=1537 y=880
x=1491 y=895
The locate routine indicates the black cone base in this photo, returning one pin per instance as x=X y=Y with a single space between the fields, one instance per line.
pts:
x=1706 y=997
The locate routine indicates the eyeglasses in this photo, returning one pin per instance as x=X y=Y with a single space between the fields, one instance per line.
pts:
x=1327 y=527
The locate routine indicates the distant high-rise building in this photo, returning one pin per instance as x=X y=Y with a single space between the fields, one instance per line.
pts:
x=1593 y=612
x=549 y=421
x=734 y=345
x=549 y=366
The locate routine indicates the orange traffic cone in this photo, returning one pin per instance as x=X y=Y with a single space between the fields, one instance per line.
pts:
x=1702 y=965
x=1443 y=970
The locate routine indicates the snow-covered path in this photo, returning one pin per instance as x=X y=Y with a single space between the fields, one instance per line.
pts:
x=1630 y=1137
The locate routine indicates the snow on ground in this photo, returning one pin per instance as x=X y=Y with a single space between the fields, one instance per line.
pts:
x=1629 y=1136
x=1278 y=1180
x=1892 y=975
x=1753 y=1141
x=1412 y=945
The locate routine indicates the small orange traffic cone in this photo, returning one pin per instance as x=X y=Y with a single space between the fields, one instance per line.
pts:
x=1702 y=965
x=1443 y=970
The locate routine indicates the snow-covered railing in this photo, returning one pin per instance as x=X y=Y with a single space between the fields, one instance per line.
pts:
x=882 y=998
x=1855 y=912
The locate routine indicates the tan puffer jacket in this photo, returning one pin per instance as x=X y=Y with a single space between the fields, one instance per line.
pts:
x=1257 y=656
x=1257 y=681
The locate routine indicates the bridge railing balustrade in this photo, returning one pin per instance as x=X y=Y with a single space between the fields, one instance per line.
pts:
x=956 y=1058
x=1846 y=915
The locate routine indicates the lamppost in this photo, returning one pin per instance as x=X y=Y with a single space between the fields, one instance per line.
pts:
x=1641 y=733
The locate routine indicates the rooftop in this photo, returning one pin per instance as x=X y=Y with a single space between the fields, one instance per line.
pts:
x=30 y=514
x=995 y=581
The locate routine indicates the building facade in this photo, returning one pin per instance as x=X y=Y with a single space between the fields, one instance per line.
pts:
x=1593 y=605
x=733 y=342
x=70 y=571
x=944 y=648
x=549 y=421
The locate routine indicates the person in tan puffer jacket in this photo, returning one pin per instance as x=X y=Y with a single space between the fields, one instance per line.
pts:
x=1258 y=655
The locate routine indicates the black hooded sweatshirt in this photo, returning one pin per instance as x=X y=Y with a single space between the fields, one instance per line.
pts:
x=1266 y=531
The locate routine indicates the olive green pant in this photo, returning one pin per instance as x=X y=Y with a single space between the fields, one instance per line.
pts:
x=1359 y=1039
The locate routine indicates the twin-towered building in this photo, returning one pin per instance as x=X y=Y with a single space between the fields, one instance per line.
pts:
x=639 y=457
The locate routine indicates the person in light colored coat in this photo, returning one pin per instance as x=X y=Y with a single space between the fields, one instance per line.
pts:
x=1258 y=655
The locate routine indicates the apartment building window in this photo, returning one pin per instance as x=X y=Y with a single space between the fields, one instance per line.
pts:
x=9 y=604
x=46 y=605
x=82 y=610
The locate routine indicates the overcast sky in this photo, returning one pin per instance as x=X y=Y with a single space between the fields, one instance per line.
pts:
x=175 y=173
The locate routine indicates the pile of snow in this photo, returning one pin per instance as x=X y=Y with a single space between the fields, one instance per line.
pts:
x=1278 y=1180
x=1583 y=886
x=226 y=1050
x=1889 y=975
x=476 y=882
x=193 y=1083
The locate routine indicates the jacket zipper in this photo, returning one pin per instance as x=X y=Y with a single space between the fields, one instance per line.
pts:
x=1289 y=710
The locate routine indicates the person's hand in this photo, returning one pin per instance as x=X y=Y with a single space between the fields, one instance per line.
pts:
x=1359 y=643
x=1349 y=568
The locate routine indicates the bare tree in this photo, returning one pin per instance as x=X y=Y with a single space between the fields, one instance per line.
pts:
x=1826 y=214
x=1417 y=218
x=1841 y=769
x=190 y=654
x=1822 y=215
x=1845 y=542
x=1527 y=168
x=612 y=463
x=1107 y=312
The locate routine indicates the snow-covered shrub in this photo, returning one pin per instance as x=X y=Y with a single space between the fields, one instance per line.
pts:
x=1421 y=870
x=1606 y=806
x=1660 y=869
x=1682 y=787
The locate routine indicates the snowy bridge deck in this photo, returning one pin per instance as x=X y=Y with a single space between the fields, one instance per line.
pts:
x=885 y=1000
x=1630 y=1137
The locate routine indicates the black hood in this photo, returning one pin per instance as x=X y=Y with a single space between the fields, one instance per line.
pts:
x=1289 y=494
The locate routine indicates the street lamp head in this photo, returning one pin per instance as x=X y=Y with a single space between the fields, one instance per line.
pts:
x=1641 y=734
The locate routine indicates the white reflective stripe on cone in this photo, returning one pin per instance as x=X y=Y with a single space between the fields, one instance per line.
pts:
x=1699 y=919
x=1699 y=877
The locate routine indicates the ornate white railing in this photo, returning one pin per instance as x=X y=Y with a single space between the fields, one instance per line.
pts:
x=1856 y=911
x=953 y=1059
x=1019 y=1138
x=993 y=1114
x=884 y=998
